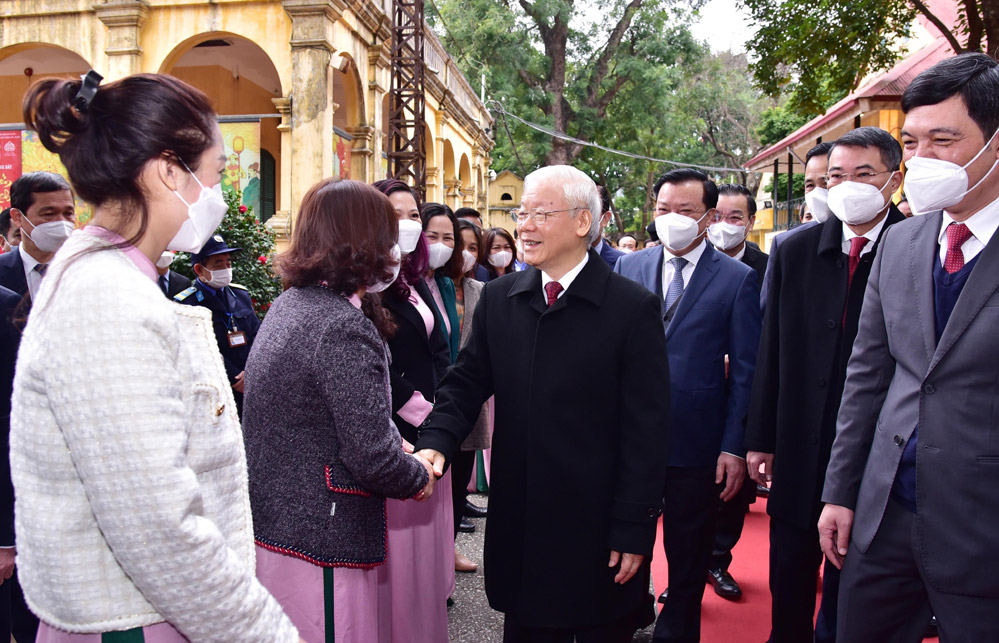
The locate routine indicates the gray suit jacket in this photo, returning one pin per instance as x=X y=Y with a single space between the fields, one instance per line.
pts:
x=899 y=376
x=481 y=435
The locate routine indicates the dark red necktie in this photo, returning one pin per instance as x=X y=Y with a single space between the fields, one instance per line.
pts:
x=552 y=289
x=856 y=246
x=957 y=234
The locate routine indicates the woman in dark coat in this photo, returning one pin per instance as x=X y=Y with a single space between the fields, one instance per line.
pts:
x=323 y=453
x=422 y=534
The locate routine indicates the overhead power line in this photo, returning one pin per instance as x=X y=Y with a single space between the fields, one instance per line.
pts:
x=498 y=107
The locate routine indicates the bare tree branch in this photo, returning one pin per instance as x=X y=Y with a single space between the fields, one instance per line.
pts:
x=600 y=69
x=939 y=24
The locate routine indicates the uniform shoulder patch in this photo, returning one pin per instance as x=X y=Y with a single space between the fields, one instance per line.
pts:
x=232 y=285
x=184 y=294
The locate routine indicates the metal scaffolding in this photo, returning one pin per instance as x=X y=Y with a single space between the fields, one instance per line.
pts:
x=407 y=118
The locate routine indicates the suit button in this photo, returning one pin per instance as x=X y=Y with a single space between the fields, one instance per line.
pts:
x=831 y=323
x=929 y=389
x=898 y=440
x=652 y=512
x=839 y=263
x=822 y=381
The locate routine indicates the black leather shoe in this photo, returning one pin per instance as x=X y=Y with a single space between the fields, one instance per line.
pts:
x=466 y=527
x=662 y=597
x=724 y=585
x=931 y=629
x=762 y=491
x=474 y=511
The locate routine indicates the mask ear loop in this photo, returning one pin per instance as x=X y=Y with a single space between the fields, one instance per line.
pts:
x=195 y=176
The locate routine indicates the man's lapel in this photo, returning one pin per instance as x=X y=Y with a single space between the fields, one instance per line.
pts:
x=528 y=283
x=922 y=251
x=981 y=284
x=704 y=272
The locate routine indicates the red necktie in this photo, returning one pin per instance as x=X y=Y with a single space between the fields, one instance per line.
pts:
x=552 y=289
x=856 y=245
x=957 y=234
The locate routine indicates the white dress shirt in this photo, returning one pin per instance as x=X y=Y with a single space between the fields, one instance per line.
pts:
x=692 y=258
x=31 y=275
x=983 y=225
x=566 y=279
x=742 y=252
x=871 y=235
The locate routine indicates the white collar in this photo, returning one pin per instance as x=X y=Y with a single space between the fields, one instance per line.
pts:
x=982 y=224
x=28 y=261
x=742 y=253
x=870 y=235
x=567 y=278
x=692 y=257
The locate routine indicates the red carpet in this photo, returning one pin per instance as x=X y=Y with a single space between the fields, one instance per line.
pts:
x=746 y=620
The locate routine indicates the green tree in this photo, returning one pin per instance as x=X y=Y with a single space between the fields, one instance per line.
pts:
x=564 y=63
x=817 y=52
x=797 y=187
x=776 y=123
x=251 y=268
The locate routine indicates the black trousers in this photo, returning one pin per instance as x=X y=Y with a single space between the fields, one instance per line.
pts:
x=15 y=617
x=729 y=523
x=794 y=566
x=461 y=473
x=884 y=597
x=620 y=632
x=691 y=505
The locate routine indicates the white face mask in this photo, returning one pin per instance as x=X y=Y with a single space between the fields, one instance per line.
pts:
x=725 y=236
x=469 y=261
x=501 y=259
x=203 y=217
x=218 y=278
x=439 y=255
x=409 y=235
x=856 y=203
x=379 y=286
x=818 y=204
x=935 y=184
x=48 y=237
x=165 y=260
x=677 y=231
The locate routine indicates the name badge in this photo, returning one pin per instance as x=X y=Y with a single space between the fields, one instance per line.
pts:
x=237 y=339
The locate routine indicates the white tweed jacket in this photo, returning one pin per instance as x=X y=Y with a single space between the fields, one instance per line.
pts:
x=128 y=463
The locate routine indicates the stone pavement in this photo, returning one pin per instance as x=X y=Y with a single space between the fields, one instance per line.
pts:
x=470 y=619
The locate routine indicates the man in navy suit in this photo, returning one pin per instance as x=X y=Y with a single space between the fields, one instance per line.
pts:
x=607 y=252
x=710 y=310
x=39 y=202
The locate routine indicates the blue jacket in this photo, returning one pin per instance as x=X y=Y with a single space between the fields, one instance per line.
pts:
x=9 y=340
x=609 y=253
x=12 y=272
x=718 y=315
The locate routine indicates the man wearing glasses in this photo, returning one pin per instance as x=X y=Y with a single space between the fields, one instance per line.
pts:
x=576 y=358
x=814 y=303
x=710 y=309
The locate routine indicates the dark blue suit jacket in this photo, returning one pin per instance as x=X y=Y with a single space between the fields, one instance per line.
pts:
x=9 y=340
x=718 y=315
x=610 y=254
x=12 y=272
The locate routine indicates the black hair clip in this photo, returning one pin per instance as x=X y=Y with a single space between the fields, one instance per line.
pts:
x=88 y=89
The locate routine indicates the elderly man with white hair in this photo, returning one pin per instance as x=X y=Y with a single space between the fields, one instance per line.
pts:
x=582 y=419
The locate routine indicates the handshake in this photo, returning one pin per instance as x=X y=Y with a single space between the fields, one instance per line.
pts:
x=433 y=462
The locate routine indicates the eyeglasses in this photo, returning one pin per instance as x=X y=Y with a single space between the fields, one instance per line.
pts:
x=540 y=216
x=858 y=176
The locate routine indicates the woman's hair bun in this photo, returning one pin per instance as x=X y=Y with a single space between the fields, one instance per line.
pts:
x=49 y=110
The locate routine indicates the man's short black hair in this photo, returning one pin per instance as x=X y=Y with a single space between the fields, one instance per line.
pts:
x=605 y=199
x=820 y=149
x=5 y=222
x=23 y=190
x=737 y=189
x=467 y=212
x=688 y=175
x=891 y=151
x=975 y=76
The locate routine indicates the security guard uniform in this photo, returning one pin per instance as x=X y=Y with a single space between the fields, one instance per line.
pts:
x=234 y=321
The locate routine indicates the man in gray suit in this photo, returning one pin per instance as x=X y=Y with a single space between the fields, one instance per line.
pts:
x=912 y=487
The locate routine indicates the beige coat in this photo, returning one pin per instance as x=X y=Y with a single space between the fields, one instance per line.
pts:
x=481 y=435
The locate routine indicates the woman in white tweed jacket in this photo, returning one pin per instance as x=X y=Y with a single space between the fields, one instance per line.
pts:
x=132 y=508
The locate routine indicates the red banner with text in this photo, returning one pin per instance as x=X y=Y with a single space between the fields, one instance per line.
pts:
x=10 y=163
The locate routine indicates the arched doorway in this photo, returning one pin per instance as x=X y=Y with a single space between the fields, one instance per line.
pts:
x=450 y=180
x=241 y=81
x=20 y=150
